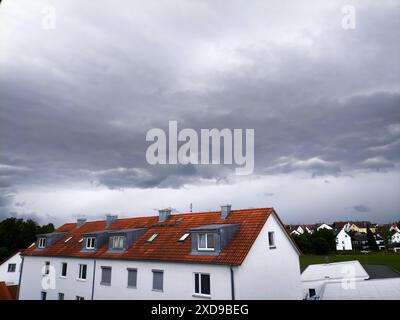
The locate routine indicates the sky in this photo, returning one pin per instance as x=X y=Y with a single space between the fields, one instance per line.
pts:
x=82 y=83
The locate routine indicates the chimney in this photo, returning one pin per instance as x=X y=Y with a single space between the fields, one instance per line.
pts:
x=110 y=219
x=164 y=214
x=80 y=222
x=225 y=211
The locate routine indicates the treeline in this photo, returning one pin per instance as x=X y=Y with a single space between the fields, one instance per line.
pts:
x=319 y=242
x=18 y=234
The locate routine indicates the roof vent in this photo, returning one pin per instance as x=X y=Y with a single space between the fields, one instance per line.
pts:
x=164 y=214
x=80 y=222
x=110 y=219
x=225 y=211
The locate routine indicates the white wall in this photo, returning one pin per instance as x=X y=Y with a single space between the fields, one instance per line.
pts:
x=178 y=280
x=31 y=280
x=343 y=241
x=269 y=273
x=11 y=278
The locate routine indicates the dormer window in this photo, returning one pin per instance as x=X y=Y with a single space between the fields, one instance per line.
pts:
x=206 y=241
x=90 y=243
x=117 y=242
x=183 y=238
x=42 y=243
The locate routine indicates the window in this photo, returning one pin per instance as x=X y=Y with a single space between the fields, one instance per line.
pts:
x=206 y=241
x=42 y=242
x=90 y=242
x=47 y=267
x=183 y=238
x=158 y=279
x=117 y=242
x=105 y=275
x=202 y=283
x=43 y=295
x=63 y=269
x=60 y=296
x=80 y=240
x=80 y=298
x=311 y=292
x=67 y=239
x=12 y=267
x=271 y=240
x=132 y=278
x=82 y=271
x=152 y=237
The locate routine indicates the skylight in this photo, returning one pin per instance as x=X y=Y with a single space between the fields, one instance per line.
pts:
x=183 y=238
x=80 y=240
x=152 y=237
x=67 y=239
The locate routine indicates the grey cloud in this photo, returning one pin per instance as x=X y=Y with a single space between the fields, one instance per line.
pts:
x=76 y=102
x=361 y=208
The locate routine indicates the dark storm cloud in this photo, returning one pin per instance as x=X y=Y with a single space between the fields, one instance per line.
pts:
x=76 y=102
x=361 y=208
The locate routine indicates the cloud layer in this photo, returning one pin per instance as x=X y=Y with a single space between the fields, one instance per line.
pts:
x=76 y=102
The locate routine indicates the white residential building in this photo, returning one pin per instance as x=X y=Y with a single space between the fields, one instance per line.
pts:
x=228 y=254
x=10 y=269
x=395 y=238
x=315 y=276
x=343 y=241
x=324 y=226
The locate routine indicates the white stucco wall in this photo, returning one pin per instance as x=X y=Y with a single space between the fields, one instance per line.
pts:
x=343 y=241
x=31 y=279
x=178 y=280
x=269 y=273
x=11 y=278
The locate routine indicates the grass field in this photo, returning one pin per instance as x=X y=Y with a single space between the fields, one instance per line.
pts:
x=390 y=259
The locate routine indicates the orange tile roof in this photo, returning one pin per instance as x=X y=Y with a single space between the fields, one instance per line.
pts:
x=6 y=293
x=166 y=246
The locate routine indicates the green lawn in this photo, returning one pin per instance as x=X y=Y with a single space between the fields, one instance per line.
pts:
x=390 y=259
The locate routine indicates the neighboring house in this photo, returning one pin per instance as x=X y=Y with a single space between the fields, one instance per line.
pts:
x=394 y=228
x=360 y=240
x=362 y=226
x=339 y=225
x=380 y=242
x=227 y=254
x=299 y=229
x=395 y=238
x=315 y=276
x=343 y=241
x=324 y=226
x=10 y=269
x=375 y=289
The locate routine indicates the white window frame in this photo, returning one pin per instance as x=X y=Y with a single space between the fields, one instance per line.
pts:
x=12 y=267
x=66 y=270
x=200 y=294
x=42 y=242
x=273 y=245
x=80 y=272
x=152 y=237
x=184 y=237
x=90 y=243
x=206 y=248
x=121 y=239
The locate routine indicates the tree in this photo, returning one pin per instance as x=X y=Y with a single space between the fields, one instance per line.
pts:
x=371 y=240
x=18 y=234
x=320 y=245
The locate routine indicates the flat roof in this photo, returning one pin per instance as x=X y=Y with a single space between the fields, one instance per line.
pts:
x=332 y=271
x=378 y=289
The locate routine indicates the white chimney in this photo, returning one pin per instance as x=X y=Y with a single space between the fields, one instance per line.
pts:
x=225 y=210
x=164 y=214
x=110 y=219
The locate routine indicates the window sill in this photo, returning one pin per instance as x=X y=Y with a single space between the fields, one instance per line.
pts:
x=132 y=287
x=157 y=290
x=63 y=277
x=199 y=295
x=105 y=284
x=205 y=249
x=81 y=280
